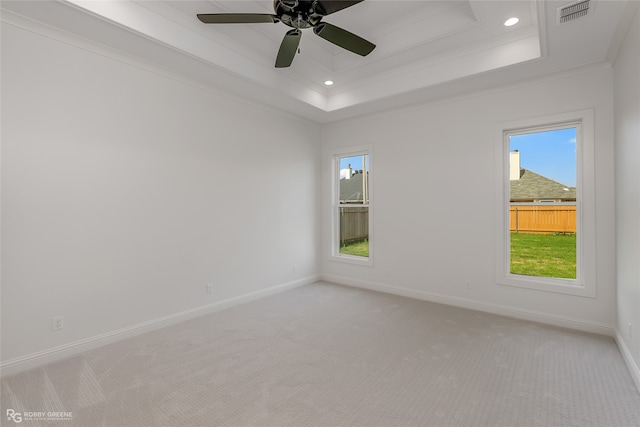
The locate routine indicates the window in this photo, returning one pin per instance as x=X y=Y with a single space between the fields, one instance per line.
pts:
x=351 y=206
x=542 y=201
x=546 y=238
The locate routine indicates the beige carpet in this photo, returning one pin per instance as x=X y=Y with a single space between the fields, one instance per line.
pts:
x=326 y=355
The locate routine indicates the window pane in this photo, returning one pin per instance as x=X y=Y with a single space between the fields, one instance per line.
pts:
x=353 y=205
x=542 y=205
x=354 y=179
x=354 y=231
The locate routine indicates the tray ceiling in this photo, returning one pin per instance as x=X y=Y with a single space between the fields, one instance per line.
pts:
x=425 y=49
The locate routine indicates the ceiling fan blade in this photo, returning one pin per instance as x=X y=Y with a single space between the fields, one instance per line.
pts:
x=288 y=48
x=344 y=38
x=327 y=7
x=236 y=18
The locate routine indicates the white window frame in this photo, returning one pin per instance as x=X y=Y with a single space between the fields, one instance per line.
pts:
x=585 y=282
x=336 y=155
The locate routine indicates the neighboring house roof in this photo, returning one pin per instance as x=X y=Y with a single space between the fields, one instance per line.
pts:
x=351 y=189
x=532 y=186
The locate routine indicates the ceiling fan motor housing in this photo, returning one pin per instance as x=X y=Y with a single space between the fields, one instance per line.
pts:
x=297 y=13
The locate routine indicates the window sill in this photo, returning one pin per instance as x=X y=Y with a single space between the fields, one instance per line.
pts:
x=560 y=286
x=352 y=259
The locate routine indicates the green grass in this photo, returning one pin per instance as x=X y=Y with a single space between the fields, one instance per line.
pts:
x=356 y=248
x=544 y=255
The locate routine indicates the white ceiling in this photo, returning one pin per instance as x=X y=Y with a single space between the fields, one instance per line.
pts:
x=425 y=50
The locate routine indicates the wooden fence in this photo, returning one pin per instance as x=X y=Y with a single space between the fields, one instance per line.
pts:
x=354 y=224
x=542 y=218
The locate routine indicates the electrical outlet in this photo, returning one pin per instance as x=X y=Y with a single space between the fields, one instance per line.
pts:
x=295 y=268
x=57 y=323
x=468 y=284
x=210 y=288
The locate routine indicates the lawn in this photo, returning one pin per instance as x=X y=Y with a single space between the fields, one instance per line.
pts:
x=547 y=255
x=542 y=255
x=356 y=248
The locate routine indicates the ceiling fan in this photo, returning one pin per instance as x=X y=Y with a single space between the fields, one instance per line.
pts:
x=299 y=14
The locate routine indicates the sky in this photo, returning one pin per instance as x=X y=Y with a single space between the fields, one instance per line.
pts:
x=355 y=161
x=551 y=154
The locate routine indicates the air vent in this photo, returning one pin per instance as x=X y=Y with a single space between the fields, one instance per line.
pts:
x=573 y=11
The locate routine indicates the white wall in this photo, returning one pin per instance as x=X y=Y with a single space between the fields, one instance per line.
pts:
x=434 y=224
x=627 y=161
x=124 y=192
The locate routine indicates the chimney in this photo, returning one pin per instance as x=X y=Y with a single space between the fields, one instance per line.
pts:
x=347 y=175
x=514 y=165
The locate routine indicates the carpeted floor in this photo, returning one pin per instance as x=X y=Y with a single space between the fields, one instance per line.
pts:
x=327 y=355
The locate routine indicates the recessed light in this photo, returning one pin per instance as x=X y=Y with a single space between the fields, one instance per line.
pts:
x=511 y=22
x=328 y=82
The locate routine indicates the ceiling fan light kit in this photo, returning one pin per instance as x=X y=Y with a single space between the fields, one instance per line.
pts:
x=299 y=14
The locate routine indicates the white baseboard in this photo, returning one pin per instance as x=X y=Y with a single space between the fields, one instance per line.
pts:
x=517 y=313
x=634 y=370
x=50 y=355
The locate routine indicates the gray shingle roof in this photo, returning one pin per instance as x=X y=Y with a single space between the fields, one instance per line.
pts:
x=351 y=189
x=532 y=186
